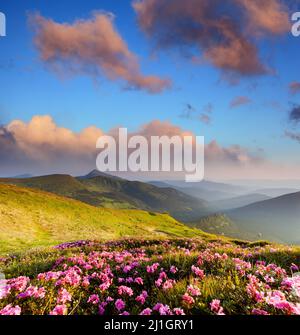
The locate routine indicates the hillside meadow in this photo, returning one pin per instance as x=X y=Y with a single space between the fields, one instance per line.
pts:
x=64 y=257
x=33 y=218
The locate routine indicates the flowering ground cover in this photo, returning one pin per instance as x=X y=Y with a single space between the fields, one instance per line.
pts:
x=153 y=277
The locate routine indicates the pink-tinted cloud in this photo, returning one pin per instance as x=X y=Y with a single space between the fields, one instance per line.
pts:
x=161 y=128
x=91 y=47
x=266 y=16
x=240 y=101
x=294 y=87
x=221 y=31
x=214 y=152
x=40 y=146
x=232 y=154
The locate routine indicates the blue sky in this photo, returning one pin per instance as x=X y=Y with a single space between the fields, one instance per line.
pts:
x=29 y=88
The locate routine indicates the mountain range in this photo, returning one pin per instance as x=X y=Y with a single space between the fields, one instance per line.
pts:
x=247 y=212
x=217 y=208
x=277 y=219
x=103 y=190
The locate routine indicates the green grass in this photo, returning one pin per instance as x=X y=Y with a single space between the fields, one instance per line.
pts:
x=221 y=224
x=31 y=218
x=109 y=192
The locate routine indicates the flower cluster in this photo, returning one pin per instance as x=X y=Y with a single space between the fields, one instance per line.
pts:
x=171 y=277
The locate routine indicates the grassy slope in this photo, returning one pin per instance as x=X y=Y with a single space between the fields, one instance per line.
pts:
x=30 y=218
x=109 y=192
x=220 y=224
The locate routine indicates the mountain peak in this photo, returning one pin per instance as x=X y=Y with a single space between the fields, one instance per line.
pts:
x=96 y=173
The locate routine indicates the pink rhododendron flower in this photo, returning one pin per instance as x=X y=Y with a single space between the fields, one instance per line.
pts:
x=59 y=310
x=94 y=299
x=188 y=300
x=215 y=306
x=152 y=268
x=18 y=284
x=296 y=309
x=49 y=276
x=33 y=292
x=105 y=286
x=158 y=282
x=109 y=299
x=101 y=308
x=163 y=275
x=167 y=285
x=157 y=307
x=125 y=290
x=178 y=311
x=142 y=298
x=85 y=282
x=193 y=291
x=4 y=291
x=256 y=311
x=173 y=269
x=10 y=310
x=120 y=305
x=162 y=309
x=129 y=280
x=147 y=311
x=198 y=272
x=242 y=266
x=139 y=281
x=63 y=296
x=127 y=268
x=292 y=285
x=255 y=289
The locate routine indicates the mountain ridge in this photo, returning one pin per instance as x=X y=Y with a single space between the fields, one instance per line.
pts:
x=110 y=192
x=276 y=219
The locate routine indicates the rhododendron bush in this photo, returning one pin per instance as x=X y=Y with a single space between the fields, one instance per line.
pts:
x=134 y=277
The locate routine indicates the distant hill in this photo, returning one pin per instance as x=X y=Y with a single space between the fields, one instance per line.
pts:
x=208 y=195
x=277 y=192
x=221 y=224
x=30 y=218
x=26 y=175
x=276 y=219
x=239 y=201
x=205 y=190
x=97 y=173
x=111 y=192
x=160 y=184
x=210 y=186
